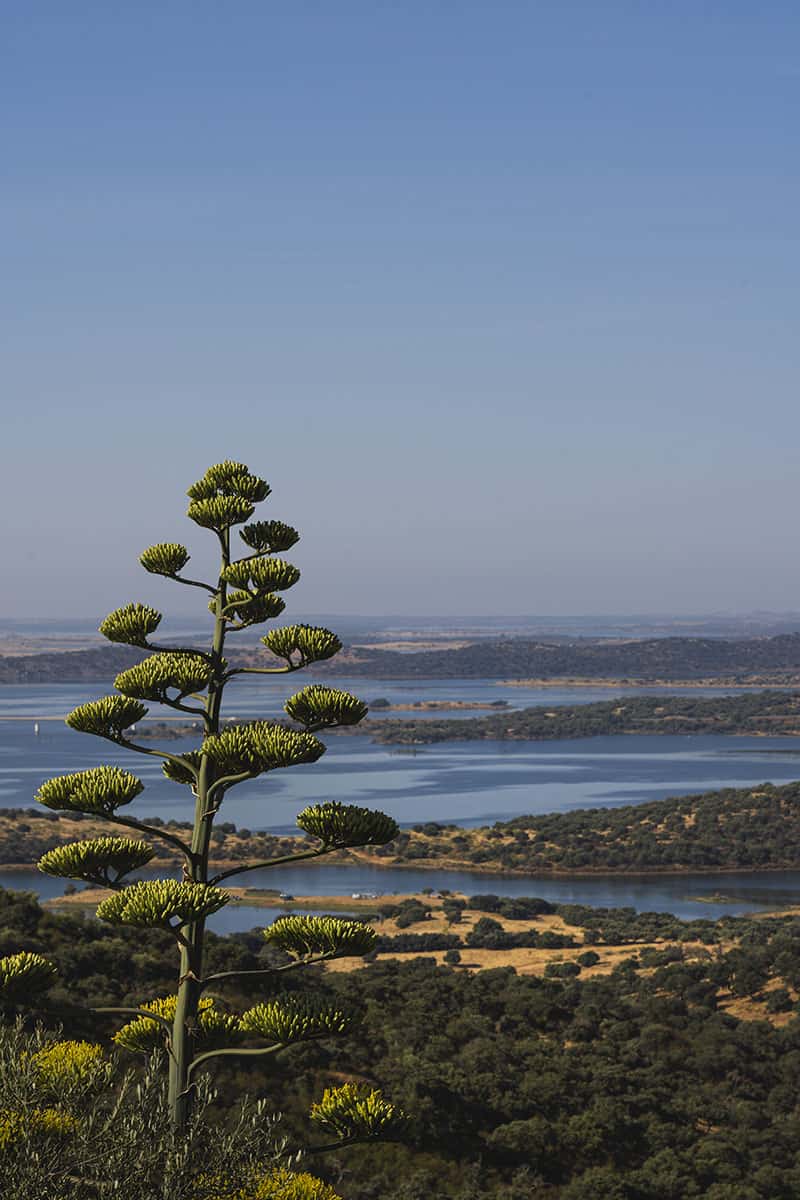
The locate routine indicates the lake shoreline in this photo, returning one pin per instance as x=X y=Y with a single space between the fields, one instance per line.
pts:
x=715 y=681
x=483 y=869
x=240 y=896
x=367 y=908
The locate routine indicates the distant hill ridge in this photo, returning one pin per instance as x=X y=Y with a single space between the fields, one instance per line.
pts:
x=68 y=666
x=669 y=658
x=520 y=658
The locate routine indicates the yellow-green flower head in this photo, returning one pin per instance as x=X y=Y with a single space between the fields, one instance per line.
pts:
x=300 y=645
x=165 y=558
x=280 y=1184
x=285 y=1185
x=357 y=1111
x=225 y=496
x=156 y=902
x=214 y=1027
x=16 y=1127
x=324 y=707
x=294 y=1018
x=344 y=825
x=141 y=1036
x=229 y=479
x=260 y=746
x=310 y=937
x=99 y=790
x=217 y=1029
x=131 y=624
x=99 y=860
x=269 y=537
x=107 y=718
x=25 y=975
x=219 y=512
x=64 y=1065
x=262 y=574
x=167 y=1006
x=249 y=609
x=174 y=770
x=157 y=676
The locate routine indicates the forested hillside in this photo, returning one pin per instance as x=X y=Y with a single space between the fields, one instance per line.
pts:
x=732 y=829
x=735 y=828
x=762 y=713
x=521 y=658
x=27 y=833
x=769 y=659
x=68 y=666
x=672 y=1078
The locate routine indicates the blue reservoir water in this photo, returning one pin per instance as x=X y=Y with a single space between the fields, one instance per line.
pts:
x=260 y=696
x=466 y=783
x=687 y=896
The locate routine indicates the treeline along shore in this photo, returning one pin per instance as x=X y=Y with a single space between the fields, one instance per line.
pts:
x=769 y=713
x=757 y=714
x=761 y=660
x=735 y=829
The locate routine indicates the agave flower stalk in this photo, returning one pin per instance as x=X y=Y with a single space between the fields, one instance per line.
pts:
x=244 y=593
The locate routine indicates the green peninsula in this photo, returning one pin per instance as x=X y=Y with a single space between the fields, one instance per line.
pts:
x=736 y=829
x=767 y=713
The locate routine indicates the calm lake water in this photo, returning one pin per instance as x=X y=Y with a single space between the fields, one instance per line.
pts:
x=465 y=783
x=686 y=896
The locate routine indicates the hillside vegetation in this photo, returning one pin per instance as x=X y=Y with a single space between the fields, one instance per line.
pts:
x=762 y=659
x=590 y=658
x=673 y=1076
x=736 y=828
x=26 y=834
x=732 y=829
x=761 y=713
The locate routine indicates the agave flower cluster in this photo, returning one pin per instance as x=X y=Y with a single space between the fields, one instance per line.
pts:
x=194 y=1027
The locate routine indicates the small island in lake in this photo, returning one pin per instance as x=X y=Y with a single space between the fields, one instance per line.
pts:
x=753 y=714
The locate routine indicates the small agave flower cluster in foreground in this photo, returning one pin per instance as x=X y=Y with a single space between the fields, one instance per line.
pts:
x=67 y=1099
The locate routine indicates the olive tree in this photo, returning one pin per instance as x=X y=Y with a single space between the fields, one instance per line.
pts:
x=193 y=680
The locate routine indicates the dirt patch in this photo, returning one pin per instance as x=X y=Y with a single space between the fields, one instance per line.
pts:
x=754 y=1008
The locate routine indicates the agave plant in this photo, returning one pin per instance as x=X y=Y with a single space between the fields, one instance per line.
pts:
x=194 y=679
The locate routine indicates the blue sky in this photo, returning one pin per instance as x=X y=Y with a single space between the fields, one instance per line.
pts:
x=501 y=298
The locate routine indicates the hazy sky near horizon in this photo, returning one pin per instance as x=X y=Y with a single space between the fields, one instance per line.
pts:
x=502 y=298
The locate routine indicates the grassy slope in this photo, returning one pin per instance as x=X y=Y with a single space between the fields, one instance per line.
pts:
x=524 y=960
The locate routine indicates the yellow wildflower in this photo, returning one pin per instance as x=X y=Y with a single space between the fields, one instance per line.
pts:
x=278 y=1184
x=18 y=1127
x=65 y=1064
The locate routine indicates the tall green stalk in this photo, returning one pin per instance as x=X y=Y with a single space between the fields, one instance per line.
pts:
x=191 y=1023
x=191 y=954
